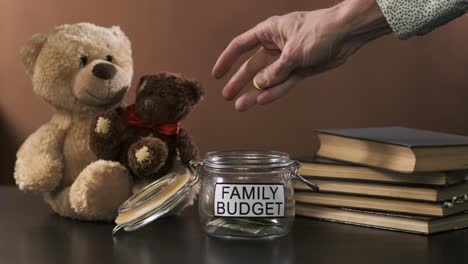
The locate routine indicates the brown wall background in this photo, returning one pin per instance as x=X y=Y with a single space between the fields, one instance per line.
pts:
x=420 y=83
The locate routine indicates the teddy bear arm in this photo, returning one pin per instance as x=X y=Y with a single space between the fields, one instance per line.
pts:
x=106 y=135
x=186 y=147
x=39 y=164
x=108 y=153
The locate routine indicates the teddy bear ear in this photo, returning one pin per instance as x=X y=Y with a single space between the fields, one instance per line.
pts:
x=118 y=33
x=196 y=91
x=142 y=84
x=30 y=51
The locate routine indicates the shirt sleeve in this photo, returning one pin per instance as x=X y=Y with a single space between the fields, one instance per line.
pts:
x=408 y=18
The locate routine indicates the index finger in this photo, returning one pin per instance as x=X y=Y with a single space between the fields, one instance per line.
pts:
x=238 y=46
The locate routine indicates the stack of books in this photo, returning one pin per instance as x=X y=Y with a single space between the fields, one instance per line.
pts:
x=390 y=177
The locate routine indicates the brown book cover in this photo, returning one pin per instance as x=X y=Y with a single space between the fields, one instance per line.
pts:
x=396 y=148
x=326 y=169
x=406 y=223
x=421 y=193
x=384 y=204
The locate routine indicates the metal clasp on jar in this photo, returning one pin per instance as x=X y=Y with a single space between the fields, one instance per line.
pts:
x=294 y=174
x=197 y=166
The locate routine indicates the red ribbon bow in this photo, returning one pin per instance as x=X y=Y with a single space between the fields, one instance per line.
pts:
x=129 y=119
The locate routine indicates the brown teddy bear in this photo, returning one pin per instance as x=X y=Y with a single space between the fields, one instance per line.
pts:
x=147 y=136
x=81 y=70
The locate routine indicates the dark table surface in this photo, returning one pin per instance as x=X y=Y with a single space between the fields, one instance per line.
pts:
x=31 y=233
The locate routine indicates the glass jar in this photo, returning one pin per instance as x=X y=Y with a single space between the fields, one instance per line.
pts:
x=247 y=194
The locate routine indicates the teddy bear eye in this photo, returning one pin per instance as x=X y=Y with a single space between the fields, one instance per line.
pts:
x=83 y=60
x=109 y=58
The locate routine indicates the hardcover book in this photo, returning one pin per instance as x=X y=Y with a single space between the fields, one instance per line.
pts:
x=396 y=148
x=436 y=209
x=414 y=224
x=422 y=193
x=326 y=169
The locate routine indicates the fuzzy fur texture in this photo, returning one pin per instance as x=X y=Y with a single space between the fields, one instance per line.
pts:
x=54 y=63
x=56 y=160
x=100 y=189
x=163 y=98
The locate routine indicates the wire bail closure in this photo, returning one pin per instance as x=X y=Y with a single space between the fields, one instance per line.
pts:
x=294 y=174
x=197 y=166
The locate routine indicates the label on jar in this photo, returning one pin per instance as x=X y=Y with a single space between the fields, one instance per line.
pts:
x=249 y=200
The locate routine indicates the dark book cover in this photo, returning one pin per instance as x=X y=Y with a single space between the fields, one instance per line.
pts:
x=402 y=136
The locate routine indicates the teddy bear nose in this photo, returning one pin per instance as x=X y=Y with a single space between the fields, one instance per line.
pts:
x=105 y=71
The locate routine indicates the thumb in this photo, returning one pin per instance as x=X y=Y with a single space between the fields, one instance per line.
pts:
x=275 y=73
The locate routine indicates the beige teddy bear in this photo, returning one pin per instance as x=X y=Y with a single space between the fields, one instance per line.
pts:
x=81 y=70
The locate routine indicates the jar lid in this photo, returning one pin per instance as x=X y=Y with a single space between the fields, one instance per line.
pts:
x=245 y=160
x=154 y=201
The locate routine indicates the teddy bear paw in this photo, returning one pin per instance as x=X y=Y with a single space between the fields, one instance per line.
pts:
x=102 y=125
x=143 y=155
x=147 y=156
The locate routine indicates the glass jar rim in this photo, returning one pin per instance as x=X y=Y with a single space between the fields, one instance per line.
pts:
x=247 y=159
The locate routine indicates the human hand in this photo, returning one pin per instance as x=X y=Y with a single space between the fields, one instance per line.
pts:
x=295 y=46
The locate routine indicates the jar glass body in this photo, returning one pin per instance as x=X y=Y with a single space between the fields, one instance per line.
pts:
x=248 y=203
